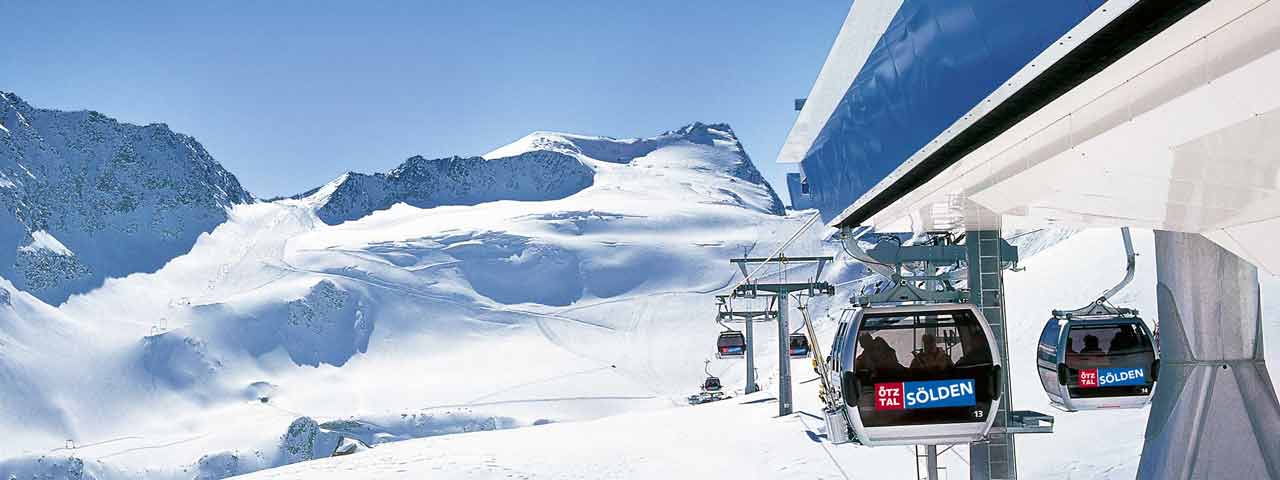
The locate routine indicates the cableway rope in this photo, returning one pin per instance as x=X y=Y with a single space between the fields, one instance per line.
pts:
x=777 y=253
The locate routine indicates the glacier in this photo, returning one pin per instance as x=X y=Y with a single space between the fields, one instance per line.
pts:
x=541 y=310
x=384 y=307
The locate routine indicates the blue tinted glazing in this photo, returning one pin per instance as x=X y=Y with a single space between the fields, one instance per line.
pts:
x=798 y=190
x=935 y=61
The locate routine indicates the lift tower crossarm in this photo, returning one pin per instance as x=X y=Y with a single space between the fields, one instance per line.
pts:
x=742 y=316
x=753 y=289
x=743 y=262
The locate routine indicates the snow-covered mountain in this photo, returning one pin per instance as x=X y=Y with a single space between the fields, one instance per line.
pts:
x=307 y=321
x=502 y=305
x=714 y=148
x=84 y=197
x=537 y=175
x=541 y=166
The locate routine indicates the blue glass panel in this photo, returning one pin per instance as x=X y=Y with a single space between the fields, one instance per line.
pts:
x=934 y=62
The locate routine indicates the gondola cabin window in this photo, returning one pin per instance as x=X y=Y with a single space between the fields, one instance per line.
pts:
x=1047 y=355
x=923 y=368
x=1107 y=360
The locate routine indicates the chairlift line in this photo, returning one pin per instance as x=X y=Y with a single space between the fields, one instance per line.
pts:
x=778 y=252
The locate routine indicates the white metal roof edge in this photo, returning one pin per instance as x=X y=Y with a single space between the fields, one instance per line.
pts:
x=863 y=27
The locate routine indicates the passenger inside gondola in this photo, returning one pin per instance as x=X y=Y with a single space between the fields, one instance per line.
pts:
x=1091 y=346
x=976 y=350
x=876 y=355
x=888 y=341
x=931 y=357
x=1125 y=342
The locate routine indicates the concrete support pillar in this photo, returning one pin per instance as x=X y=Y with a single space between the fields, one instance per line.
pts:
x=1214 y=414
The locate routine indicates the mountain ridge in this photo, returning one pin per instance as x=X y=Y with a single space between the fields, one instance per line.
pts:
x=543 y=165
x=84 y=197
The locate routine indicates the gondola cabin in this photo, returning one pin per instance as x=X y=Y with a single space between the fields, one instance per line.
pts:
x=731 y=344
x=799 y=346
x=917 y=374
x=1098 y=362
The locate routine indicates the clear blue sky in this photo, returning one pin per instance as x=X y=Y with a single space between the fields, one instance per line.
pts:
x=289 y=94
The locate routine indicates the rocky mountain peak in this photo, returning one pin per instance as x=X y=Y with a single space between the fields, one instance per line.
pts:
x=84 y=197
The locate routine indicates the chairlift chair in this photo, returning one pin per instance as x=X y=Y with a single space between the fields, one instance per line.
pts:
x=711 y=384
x=731 y=344
x=922 y=374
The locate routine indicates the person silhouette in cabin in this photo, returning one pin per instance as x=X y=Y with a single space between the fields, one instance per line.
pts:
x=1124 y=342
x=876 y=356
x=932 y=357
x=1090 y=345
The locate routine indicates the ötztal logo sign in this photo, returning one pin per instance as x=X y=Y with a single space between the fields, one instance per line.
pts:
x=931 y=394
x=1111 y=377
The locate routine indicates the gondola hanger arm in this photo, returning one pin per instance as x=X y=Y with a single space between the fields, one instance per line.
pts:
x=1102 y=306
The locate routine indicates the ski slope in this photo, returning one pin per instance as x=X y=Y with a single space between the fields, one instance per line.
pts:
x=552 y=338
x=743 y=438
x=278 y=332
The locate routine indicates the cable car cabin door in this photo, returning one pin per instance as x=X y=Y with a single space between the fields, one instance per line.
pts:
x=1109 y=363
x=920 y=375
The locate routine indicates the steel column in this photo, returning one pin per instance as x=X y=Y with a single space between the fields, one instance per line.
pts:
x=751 y=359
x=996 y=458
x=784 y=358
x=931 y=463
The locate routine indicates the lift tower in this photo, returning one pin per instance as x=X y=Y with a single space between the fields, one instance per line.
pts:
x=984 y=255
x=728 y=314
x=813 y=287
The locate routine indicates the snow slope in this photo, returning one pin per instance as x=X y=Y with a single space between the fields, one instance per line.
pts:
x=278 y=332
x=743 y=438
x=84 y=198
x=476 y=332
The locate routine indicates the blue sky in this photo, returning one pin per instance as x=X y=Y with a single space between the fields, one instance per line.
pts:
x=289 y=94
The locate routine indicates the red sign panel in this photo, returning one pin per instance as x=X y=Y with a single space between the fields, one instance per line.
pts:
x=889 y=396
x=1088 y=378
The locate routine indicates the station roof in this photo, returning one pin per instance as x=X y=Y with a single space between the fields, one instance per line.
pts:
x=1146 y=116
